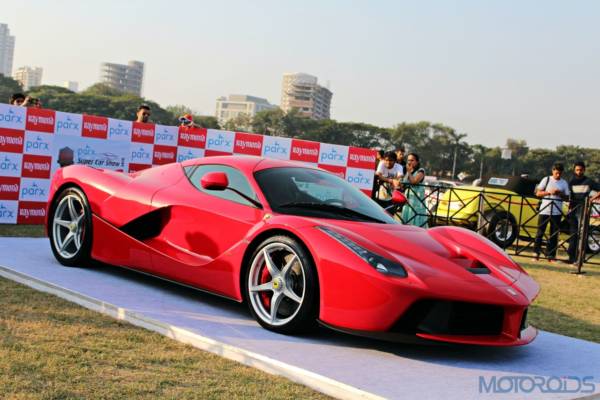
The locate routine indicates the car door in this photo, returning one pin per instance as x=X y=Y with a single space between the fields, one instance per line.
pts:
x=204 y=229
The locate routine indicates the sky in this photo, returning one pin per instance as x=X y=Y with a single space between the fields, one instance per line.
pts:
x=491 y=69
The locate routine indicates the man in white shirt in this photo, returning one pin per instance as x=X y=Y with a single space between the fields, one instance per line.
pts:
x=389 y=174
x=552 y=190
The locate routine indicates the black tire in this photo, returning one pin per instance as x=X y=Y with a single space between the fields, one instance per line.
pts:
x=296 y=318
x=71 y=255
x=502 y=228
x=592 y=244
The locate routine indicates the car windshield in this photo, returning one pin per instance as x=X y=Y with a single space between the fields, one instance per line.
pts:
x=314 y=193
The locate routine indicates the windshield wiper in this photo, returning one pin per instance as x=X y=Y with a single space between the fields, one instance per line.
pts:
x=330 y=207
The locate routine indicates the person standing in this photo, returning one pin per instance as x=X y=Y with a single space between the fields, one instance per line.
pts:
x=379 y=157
x=415 y=212
x=400 y=157
x=551 y=189
x=389 y=174
x=17 y=99
x=580 y=186
x=143 y=113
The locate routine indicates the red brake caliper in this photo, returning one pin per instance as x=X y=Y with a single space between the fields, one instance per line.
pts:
x=265 y=296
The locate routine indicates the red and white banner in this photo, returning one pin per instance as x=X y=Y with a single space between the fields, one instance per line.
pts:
x=34 y=143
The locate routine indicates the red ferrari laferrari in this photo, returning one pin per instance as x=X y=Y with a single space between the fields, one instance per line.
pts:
x=297 y=244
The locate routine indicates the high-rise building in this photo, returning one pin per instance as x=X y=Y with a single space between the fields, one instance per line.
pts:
x=7 y=50
x=302 y=91
x=29 y=76
x=236 y=104
x=126 y=78
x=73 y=86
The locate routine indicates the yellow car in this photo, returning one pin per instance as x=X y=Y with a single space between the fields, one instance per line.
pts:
x=503 y=208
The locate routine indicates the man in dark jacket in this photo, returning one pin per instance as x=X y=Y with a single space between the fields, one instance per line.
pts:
x=580 y=187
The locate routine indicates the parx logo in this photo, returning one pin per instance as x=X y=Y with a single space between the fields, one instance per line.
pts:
x=118 y=131
x=37 y=144
x=275 y=148
x=5 y=213
x=68 y=124
x=140 y=156
x=332 y=156
x=219 y=141
x=33 y=191
x=11 y=117
x=360 y=180
x=165 y=136
x=187 y=156
x=85 y=152
x=8 y=165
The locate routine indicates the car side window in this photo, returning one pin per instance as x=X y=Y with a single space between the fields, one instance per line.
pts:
x=236 y=180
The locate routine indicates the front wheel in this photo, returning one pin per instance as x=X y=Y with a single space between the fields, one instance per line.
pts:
x=281 y=286
x=70 y=228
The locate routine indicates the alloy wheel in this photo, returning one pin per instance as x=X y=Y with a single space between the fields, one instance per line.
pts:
x=276 y=284
x=68 y=228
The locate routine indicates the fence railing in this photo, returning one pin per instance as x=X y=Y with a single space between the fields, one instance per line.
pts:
x=521 y=225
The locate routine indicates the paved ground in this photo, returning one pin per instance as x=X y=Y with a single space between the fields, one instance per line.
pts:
x=388 y=370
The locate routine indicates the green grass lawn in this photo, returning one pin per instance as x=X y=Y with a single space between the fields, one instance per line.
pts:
x=22 y=230
x=53 y=349
x=568 y=304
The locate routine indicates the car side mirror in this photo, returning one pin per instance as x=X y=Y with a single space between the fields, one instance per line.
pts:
x=398 y=197
x=214 y=181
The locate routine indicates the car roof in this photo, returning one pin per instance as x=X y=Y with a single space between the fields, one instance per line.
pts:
x=520 y=185
x=245 y=163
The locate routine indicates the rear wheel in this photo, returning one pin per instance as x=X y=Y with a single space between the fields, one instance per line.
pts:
x=281 y=286
x=593 y=240
x=502 y=228
x=70 y=227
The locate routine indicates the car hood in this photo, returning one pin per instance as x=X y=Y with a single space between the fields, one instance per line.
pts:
x=430 y=255
x=405 y=240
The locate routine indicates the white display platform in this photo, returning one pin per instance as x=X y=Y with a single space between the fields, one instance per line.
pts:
x=341 y=365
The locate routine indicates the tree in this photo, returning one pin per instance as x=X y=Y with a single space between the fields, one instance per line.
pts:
x=241 y=122
x=8 y=87
x=268 y=122
x=178 y=110
x=102 y=89
x=414 y=134
x=456 y=138
x=207 y=121
x=518 y=150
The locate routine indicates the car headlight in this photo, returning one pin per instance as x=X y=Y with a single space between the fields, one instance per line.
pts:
x=381 y=264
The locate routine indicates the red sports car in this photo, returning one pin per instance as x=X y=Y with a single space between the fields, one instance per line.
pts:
x=297 y=244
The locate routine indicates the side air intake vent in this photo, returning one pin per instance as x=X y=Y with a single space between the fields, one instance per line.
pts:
x=148 y=225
